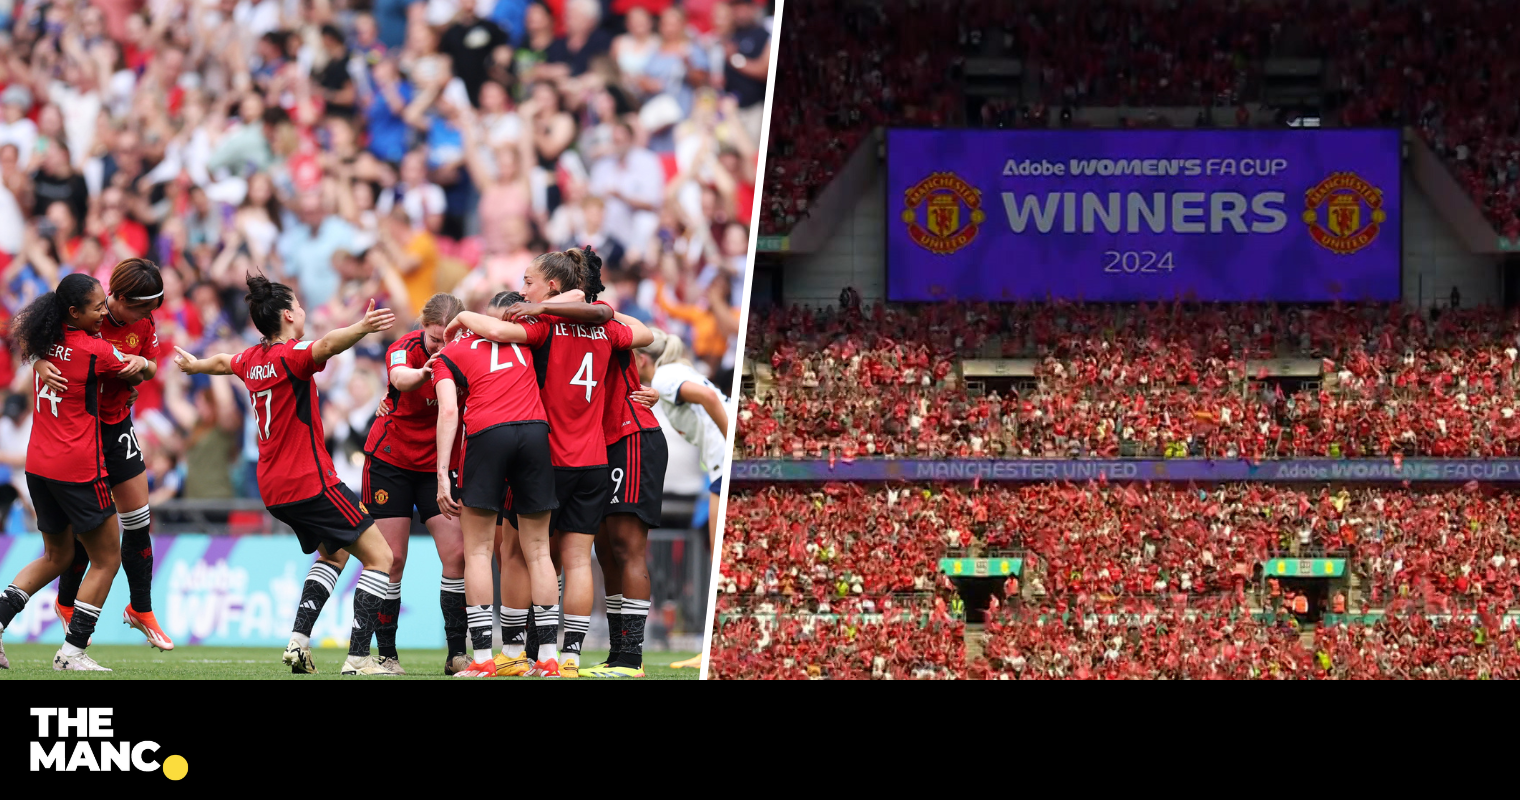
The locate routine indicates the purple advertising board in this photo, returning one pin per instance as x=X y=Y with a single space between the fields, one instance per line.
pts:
x=1125 y=216
x=1034 y=470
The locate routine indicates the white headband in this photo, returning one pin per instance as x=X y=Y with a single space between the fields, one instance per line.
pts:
x=149 y=297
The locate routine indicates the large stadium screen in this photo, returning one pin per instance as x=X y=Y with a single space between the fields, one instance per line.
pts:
x=1116 y=216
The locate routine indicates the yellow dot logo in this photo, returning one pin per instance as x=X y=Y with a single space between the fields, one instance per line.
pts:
x=175 y=767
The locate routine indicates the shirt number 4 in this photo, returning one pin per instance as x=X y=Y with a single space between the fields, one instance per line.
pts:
x=583 y=377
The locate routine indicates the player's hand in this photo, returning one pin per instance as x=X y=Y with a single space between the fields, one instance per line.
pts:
x=132 y=400
x=186 y=362
x=377 y=320
x=50 y=375
x=427 y=368
x=571 y=296
x=519 y=310
x=446 y=502
x=135 y=364
x=452 y=330
x=645 y=396
x=384 y=407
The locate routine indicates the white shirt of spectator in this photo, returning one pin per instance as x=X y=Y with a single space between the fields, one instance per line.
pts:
x=12 y=222
x=80 y=112
x=257 y=17
x=419 y=202
x=639 y=176
x=690 y=420
x=23 y=134
x=14 y=439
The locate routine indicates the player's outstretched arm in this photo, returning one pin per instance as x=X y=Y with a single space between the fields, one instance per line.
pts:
x=335 y=342
x=710 y=402
x=488 y=327
x=448 y=427
x=219 y=364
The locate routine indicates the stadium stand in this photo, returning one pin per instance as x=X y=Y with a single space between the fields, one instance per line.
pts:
x=824 y=577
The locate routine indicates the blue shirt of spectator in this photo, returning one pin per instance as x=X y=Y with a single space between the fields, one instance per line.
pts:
x=387 y=130
x=308 y=256
x=512 y=16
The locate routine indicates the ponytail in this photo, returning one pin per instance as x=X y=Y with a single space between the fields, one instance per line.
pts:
x=40 y=325
x=591 y=272
x=265 y=302
x=665 y=349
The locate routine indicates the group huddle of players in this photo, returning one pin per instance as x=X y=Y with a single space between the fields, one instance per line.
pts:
x=522 y=435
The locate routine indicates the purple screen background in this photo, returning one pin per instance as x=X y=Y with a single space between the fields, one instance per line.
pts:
x=1287 y=265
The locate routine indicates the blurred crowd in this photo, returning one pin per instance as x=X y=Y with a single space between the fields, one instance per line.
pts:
x=357 y=150
x=1167 y=380
x=1447 y=69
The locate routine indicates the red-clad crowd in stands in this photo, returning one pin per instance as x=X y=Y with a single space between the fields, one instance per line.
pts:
x=1102 y=548
x=1447 y=69
x=1439 y=548
x=1162 y=380
x=1166 y=644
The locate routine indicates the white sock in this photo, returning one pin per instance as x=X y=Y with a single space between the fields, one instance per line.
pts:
x=483 y=655
x=71 y=650
x=514 y=618
x=548 y=651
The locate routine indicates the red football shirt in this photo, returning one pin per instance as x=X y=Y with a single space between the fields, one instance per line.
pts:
x=294 y=464
x=622 y=416
x=65 y=442
x=408 y=436
x=495 y=380
x=138 y=339
x=571 y=361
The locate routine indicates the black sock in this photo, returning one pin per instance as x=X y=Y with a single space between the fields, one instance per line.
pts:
x=614 y=626
x=68 y=582
x=635 y=613
x=320 y=581
x=480 y=627
x=530 y=649
x=514 y=630
x=455 y=621
x=137 y=557
x=368 y=597
x=390 y=614
x=575 y=634
x=82 y=624
x=12 y=600
x=545 y=627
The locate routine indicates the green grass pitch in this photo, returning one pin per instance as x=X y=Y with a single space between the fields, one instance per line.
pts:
x=199 y=662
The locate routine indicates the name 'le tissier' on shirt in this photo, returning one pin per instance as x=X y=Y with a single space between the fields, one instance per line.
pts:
x=571 y=360
x=137 y=339
x=65 y=442
x=407 y=437
x=293 y=461
x=495 y=381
